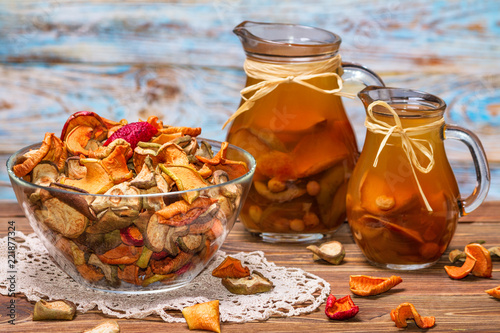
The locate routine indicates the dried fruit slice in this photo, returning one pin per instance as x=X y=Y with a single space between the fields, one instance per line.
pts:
x=121 y=255
x=317 y=152
x=33 y=157
x=109 y=326
x=495 y=292
x=97 y=180
x=332 y=252
x=381 y=199
x=406 y=311
x=133 y=133
x=54 y=310
x=456 y=272
x=364 y=285
x=253 y=284
x=62 y=218
x=186 y=178
x=203 y=316
x=231 y=268
x=340 y=309
x=483 y=266
x=85 y=118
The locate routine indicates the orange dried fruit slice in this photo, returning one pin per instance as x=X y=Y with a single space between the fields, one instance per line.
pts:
x=406 y=311
x=495 y=292
x=203 y=316
x=459 y=272
x=364 y=285
x=231 y=268
x=483 y=266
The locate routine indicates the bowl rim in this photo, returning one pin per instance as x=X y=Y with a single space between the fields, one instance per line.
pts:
x=21 y=151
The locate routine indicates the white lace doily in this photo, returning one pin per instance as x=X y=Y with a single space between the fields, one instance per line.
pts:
x=296 y=291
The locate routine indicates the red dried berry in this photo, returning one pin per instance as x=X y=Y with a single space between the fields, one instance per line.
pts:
x=340 y=309
x=133 y=133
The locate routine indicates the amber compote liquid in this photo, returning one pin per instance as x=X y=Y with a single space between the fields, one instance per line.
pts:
x=386 y=211
x=305 y=150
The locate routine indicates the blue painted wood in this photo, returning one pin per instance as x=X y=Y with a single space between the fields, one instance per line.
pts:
x=180 y=60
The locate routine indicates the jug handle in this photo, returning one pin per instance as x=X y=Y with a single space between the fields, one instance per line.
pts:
x=357 y=72
x=476 y=149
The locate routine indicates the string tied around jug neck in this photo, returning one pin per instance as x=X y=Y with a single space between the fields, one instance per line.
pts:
x=409 y=144
x=273 y=75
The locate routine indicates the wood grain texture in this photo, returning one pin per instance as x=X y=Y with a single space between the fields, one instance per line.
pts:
x=458 y=305
x=181 y=61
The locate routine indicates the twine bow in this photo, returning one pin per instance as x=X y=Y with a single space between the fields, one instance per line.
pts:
x=409 y=144
x=273 y=75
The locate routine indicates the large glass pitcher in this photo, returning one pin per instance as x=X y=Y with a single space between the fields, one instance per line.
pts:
x=403 y=201
x=291 y=119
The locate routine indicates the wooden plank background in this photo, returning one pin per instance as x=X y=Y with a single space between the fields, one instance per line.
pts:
x=180 y=60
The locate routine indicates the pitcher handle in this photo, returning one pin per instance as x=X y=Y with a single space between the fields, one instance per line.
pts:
x=357 y=72
x=480 y=163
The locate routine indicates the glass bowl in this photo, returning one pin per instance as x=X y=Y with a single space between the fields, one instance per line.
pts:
x=118 y=243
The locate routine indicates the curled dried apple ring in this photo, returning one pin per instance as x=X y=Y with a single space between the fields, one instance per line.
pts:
x=457 y=273
x=483 y=266
x=407 y=311
x=364 y=285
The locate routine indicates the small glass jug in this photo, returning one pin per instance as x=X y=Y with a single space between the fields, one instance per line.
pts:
x=403 y=201
x=291 y=119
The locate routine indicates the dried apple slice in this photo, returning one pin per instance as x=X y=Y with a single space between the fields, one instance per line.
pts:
x=77 y=140
x=186 y=178
x=86 y=118
x=32 y=158
x=96 y=181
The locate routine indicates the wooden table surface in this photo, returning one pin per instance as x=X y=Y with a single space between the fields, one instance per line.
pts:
x=458 y=305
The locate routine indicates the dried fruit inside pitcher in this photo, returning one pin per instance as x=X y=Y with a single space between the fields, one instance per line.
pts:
x=390 y=223
x=124 y=237
x=301 y=178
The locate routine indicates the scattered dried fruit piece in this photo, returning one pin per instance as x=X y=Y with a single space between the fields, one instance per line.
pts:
x=457 y=255
x=203 y=316
x=109 y=326
x=494 y=251
x=253 y=284
x=495 y=292
x=54 y=310
x=133 y=133
x=364 y=285
x=332 y=252
x=231 y=268
x=340 y=309
x=456 y=272
x=406 y=311
x=483 y=266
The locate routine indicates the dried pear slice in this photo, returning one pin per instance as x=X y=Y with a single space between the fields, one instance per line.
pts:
x=332 y=252
x=253 y=284
x=54 y=310
x=156 y=234
x=44 y=173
